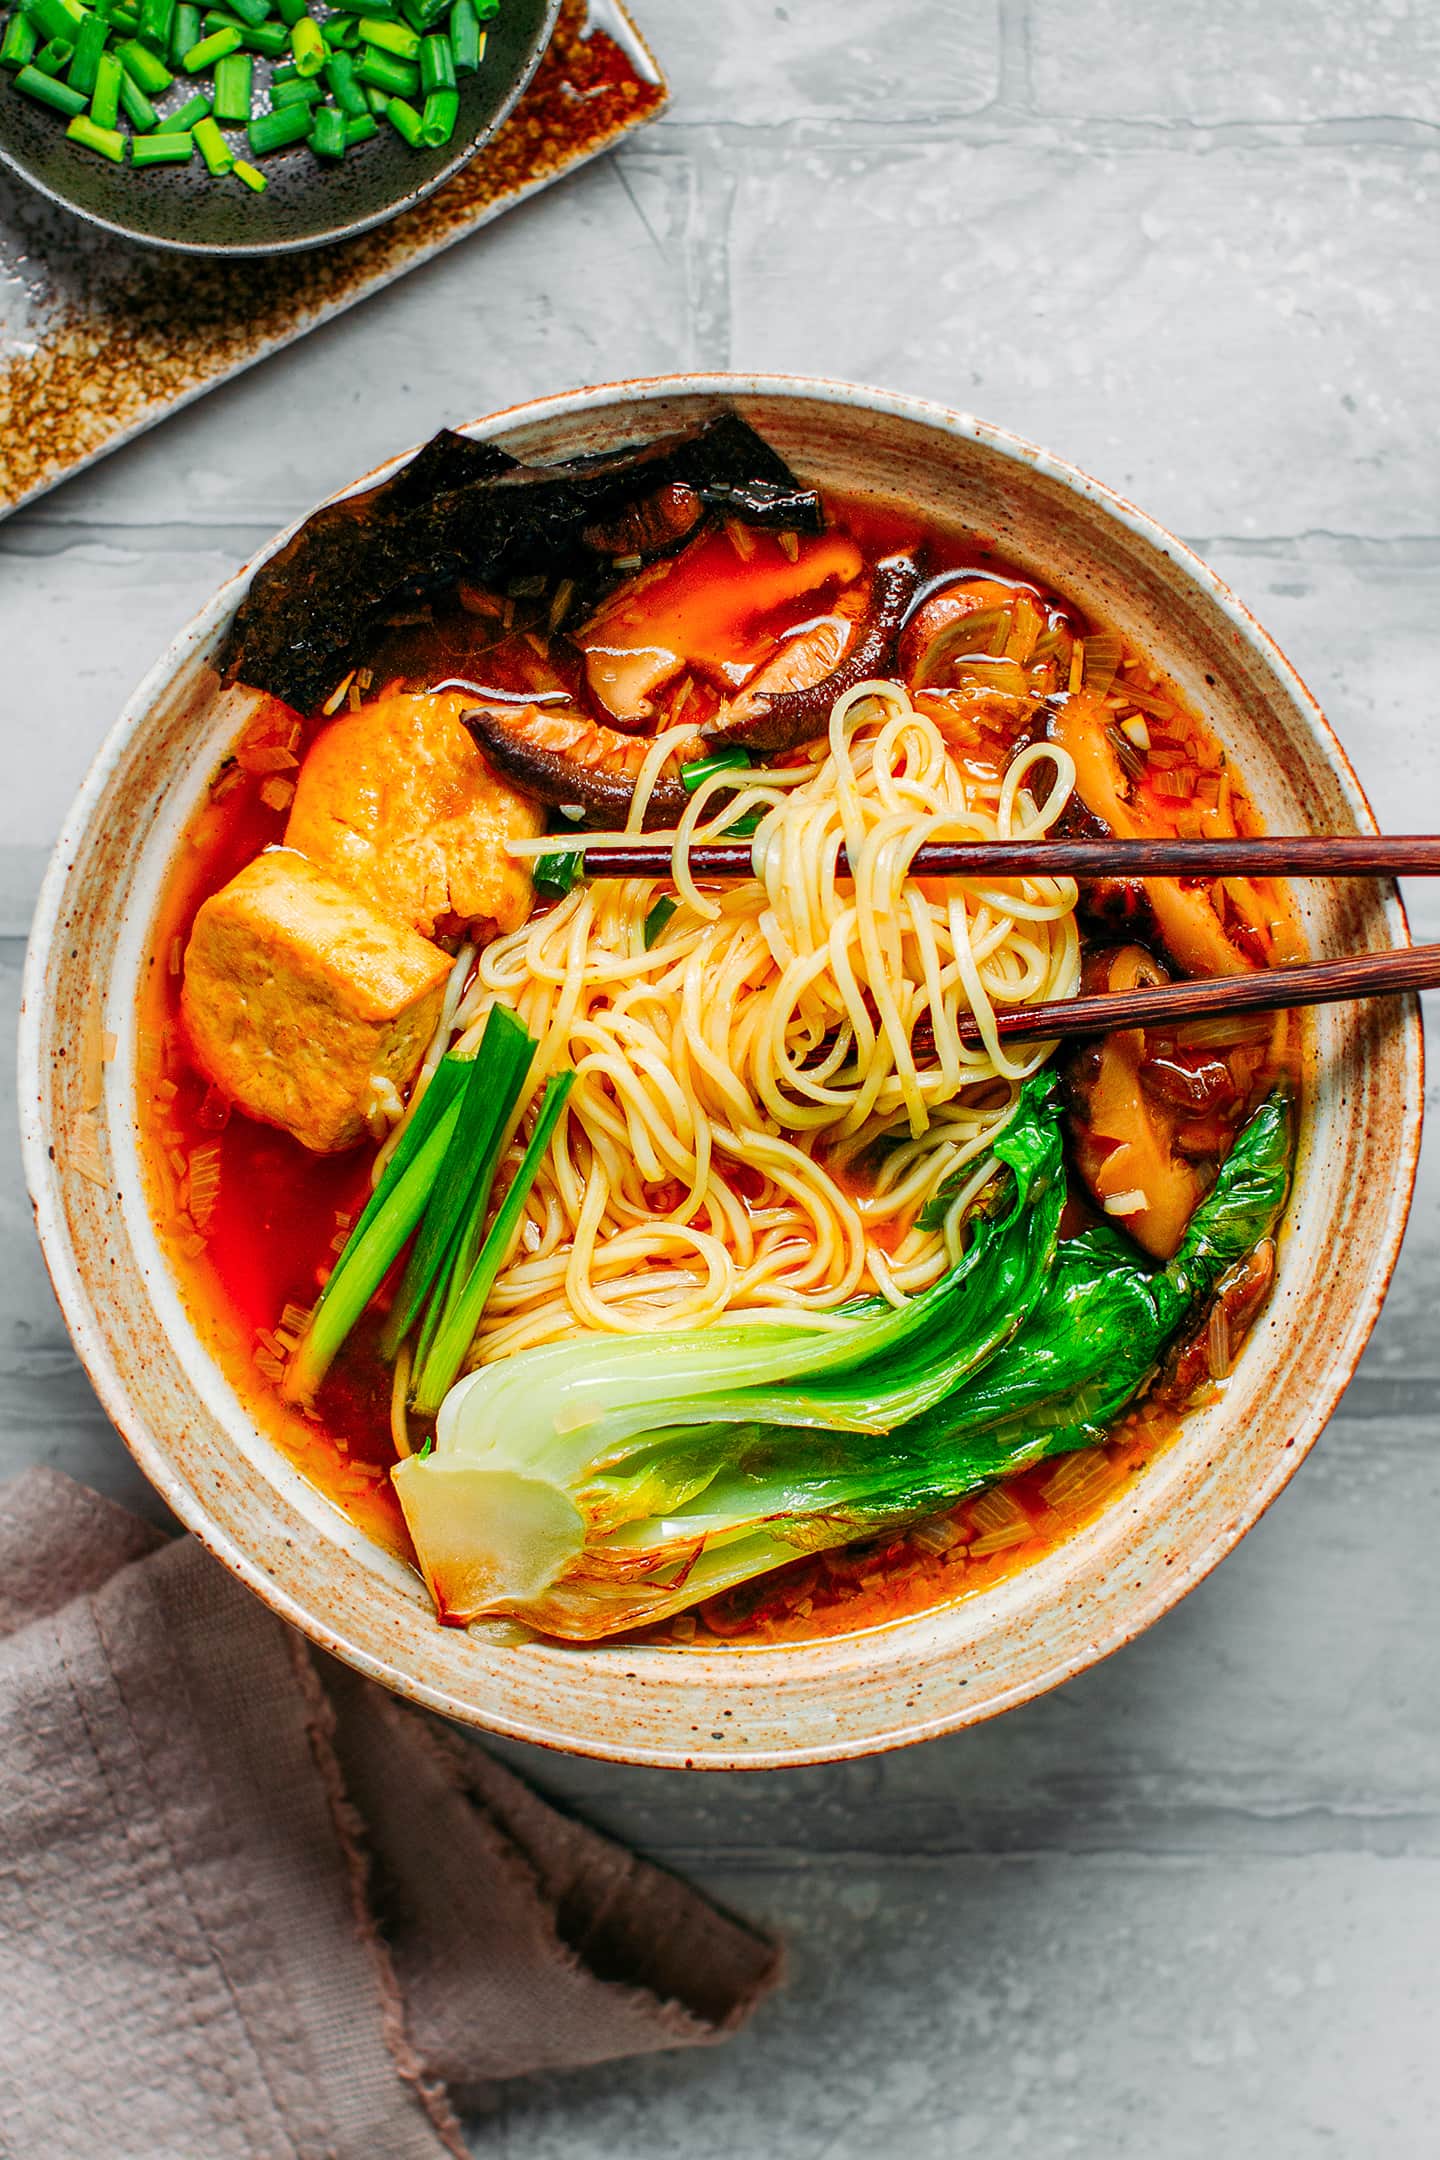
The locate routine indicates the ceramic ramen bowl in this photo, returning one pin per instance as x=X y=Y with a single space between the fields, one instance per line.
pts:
x=904 y=1679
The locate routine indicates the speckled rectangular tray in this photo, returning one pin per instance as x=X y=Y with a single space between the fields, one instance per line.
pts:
x=99 y=340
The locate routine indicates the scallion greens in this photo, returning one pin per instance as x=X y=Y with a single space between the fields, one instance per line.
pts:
x=105 y=63
x=435 y=1191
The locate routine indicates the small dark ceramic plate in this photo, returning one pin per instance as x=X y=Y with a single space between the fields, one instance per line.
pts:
x=307 y=203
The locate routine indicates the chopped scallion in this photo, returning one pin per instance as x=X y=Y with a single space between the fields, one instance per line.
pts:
x=327 y=136
x=174 y=147
x=55 y=18
x=210 y=49
x=307 y=45
x=90 y=42
x=295 y=92
x=105 y=142
x=438 y=117
x=234 y=83
x=105 y=97
x=437 y=64
x=376 y=1241
x=396 y=77
x=340 y=75
x=462 y=1190
x=54 y=58
x=465 y=37
x=136 y=107
x=405 y=121
x=218 y=156
x=557 y=874
x=157 y=22
x=271 y=39
x=184 y=32
x=658 y=917
x=276 y=130
x=438 y=1365
x=195 y=108
x=253 y=178
x=20 y=44
x=46 y=91
x=692 y=775
x=392 y=37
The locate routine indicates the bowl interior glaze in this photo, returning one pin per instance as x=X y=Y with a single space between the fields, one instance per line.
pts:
x=885 y=1684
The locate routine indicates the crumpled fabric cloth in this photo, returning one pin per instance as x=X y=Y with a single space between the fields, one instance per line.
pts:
x=253 y=1908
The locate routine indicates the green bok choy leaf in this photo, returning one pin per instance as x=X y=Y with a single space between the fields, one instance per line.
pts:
x=606 y=1524
x=642 y=1425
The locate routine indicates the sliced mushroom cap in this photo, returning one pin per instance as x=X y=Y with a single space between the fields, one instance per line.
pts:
x=624 y=679
x=789 y=717
x=1123 y=1138
x=564 y=758
x=933 y=635
x=710 y=609
x=807 y=655
x=1184 y=915
x=654 y=525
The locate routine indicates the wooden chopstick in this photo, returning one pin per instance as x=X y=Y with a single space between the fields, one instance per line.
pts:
x=1324 y=982
x=1297 y=855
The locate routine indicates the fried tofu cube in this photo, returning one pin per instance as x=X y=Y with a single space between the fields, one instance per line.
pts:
x=304 y=1004
x=397 y=801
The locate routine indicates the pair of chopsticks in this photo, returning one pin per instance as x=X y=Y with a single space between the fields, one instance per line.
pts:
x=1326 y=982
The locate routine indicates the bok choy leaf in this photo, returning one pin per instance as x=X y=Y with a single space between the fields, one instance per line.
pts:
x=581 y=1537
x=562 y=1417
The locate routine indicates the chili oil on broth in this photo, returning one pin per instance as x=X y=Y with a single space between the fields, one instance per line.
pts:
x=252 y=1221
x=249 y=1219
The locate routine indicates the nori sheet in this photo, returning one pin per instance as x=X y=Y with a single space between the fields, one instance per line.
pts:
x=464 y=509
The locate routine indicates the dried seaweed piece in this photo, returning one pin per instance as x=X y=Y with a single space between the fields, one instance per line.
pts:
x=308 y=605
x=446 y=462
x=764 y=502
x=462 y=508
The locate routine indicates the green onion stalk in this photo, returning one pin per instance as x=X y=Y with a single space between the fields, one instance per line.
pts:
x=434 y=1199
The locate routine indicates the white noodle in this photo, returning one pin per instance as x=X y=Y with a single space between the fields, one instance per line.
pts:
x=751 y=1130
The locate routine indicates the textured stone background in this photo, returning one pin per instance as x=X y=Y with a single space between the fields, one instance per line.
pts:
x=1186 y=1907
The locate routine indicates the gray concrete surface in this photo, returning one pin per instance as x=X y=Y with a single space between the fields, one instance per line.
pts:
x=1187 y=1907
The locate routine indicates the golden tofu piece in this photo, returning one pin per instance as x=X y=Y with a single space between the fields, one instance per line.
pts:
x=309 y=1008
x=397 y=800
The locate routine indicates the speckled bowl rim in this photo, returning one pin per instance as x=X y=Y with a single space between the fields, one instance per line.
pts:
x=878 y=1646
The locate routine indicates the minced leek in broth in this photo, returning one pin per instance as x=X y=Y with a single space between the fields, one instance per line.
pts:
x=757 y=1129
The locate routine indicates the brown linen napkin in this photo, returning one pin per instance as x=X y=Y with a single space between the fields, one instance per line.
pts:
x=252 y=1908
